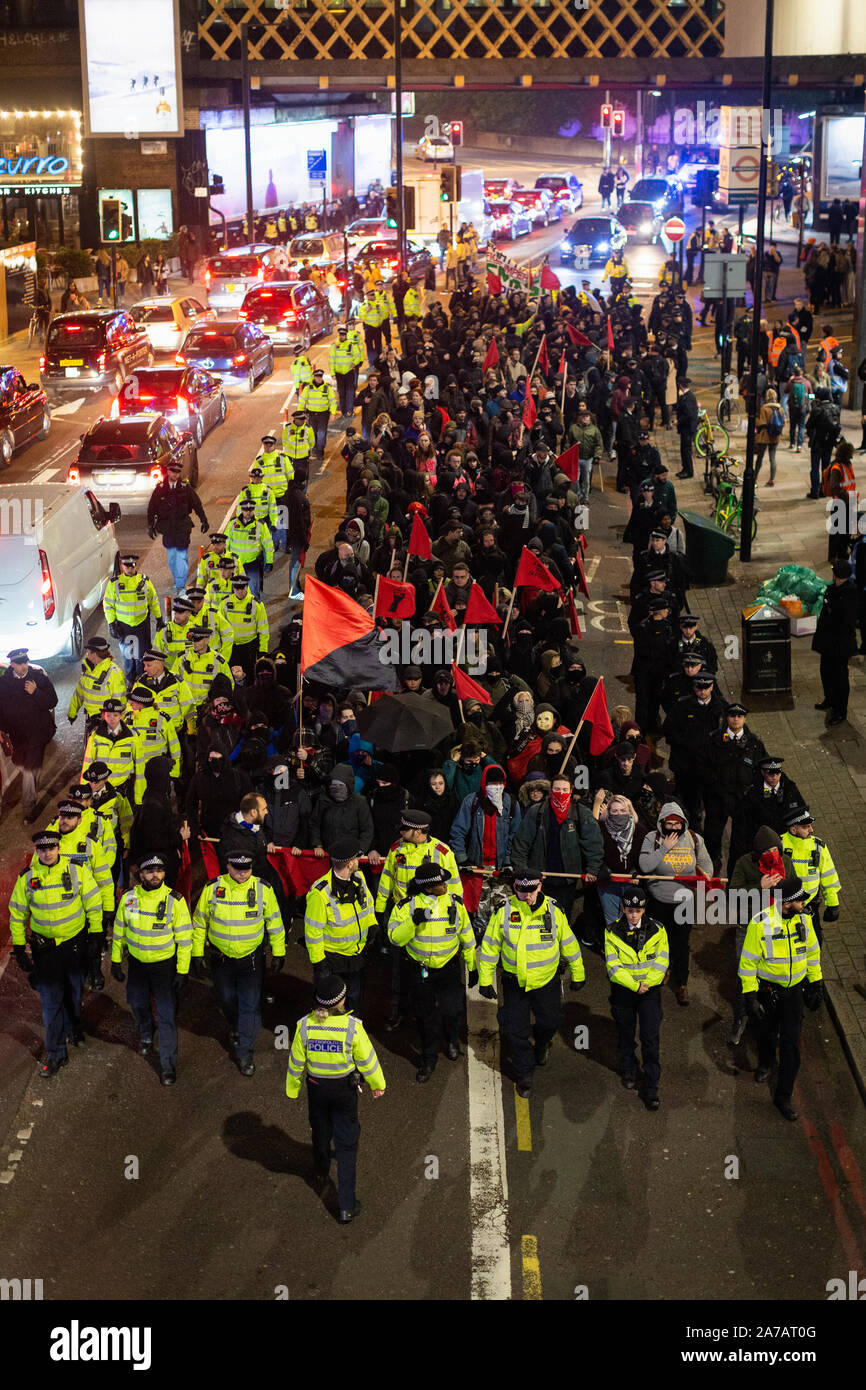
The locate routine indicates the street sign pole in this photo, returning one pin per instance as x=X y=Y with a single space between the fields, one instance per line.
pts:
x=747 y=512
x=248 y=154
x=398 y=94
x=724 y=320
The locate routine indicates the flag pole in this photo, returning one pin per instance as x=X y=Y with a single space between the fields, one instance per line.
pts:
x=570 y=748
x=405 y=570
x=510 y=610
x=376 y=592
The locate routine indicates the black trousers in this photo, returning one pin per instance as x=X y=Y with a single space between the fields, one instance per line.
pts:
x=519 y=1007
x=836 y=681
x=718 y=809
x=59 y=978
x=246 y=654
x=630 y=1009
x=686 y=462
x=335 y=964
x=332 y=1105
x=154 y=980
x=437 y=1003
x=782 y=1024
x=679 y=932
x=690 y=794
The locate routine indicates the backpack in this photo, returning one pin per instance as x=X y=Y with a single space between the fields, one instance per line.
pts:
x=776 y=423
x=828 y=420
x=797 y=394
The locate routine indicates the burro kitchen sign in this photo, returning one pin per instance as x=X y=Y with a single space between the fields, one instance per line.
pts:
x=52 y=166
x=40 y=151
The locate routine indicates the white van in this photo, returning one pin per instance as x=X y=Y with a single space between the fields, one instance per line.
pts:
x=57 y=549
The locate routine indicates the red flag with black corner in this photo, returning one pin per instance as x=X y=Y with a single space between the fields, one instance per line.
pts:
x=479 y=609
x=494 y=284
x=491 y=357
x=609 y=336
x=340 y=642
x=569 y=463
x=573 y=619
x=395 y=599
x=528 y=413
x=442 y=608
x=548 y=280
x=596 y=714
x=578 y=339
x=419 y=540
x=581 y=574
x=465 y=688
x=543 y=361
x=533 y=574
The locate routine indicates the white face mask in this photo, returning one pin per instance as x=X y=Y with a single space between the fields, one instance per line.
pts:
x=496 y=793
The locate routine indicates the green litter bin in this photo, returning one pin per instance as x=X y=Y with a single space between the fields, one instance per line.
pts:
x=708 y=549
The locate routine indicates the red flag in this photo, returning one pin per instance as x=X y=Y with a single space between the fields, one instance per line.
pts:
x=394 y=599
x=560 y=371
x=573 y=619
x=596 y=714
x=441 y=606
x=609 y=336
x=340 y=642
x=528 y=413
x=547 y=279
x=578 y=339
x=419 y=540
x=491 y=357
x=542 y=360
x=466 y=688
x=471 y=883
x=569 y=462
x=581 y=574
x=531 y=573
x=209 y=859
x=184 y=873
x=494 y=284
x=479 y=609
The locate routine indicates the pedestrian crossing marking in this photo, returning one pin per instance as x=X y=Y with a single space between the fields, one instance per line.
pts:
x=531 y=1268
x=524 y=1128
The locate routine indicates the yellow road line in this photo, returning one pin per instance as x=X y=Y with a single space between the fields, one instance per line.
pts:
x=531 y=1267
x=524 y=1128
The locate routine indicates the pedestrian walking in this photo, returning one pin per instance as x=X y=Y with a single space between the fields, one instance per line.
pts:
x=340 y=921
x=332 y=1049
x=169 y=514
x=27 y=703
x=835 y=641
x=636 y=959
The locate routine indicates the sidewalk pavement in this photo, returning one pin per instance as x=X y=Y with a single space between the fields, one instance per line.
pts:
x=828 y=764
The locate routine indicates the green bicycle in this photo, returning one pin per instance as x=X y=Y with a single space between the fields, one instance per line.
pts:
x=710 y=438
x=728 y=509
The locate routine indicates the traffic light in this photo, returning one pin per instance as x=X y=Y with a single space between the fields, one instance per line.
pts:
x=109 y=219
x=216 y=187
x=408 y=207
x=456 y=133
x=449 y=184
x=618 y=122
x=606 y=114
x=391 y=207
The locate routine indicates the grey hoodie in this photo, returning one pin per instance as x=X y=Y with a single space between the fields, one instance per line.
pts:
x=688 y=856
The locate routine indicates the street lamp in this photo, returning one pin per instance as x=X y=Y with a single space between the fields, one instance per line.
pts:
x=398 y=97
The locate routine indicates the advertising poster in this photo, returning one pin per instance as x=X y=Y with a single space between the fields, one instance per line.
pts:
x=155 y=221
x=131 y=67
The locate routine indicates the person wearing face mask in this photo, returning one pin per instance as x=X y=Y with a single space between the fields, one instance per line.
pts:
x=326 y=723
x=477 y=728
x=485 y=825
x=442 y=691
x=387 y=800
x=153 y=925
x=526 y=745
x=340 y=812
x=215 y=789
x=266 y=696
x=289 y=806
x=620 y=777
x=464 y=768
x=560 y=836
x=529 y=937
x=636 y=956
x=552 y=756
x=440 y=803
x=780 y=971
x=672 y=850
x=621 y=835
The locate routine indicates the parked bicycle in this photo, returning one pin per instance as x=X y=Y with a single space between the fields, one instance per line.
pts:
x=710 y=438
x=38 y=327
x=729 y=413
x=728 y=509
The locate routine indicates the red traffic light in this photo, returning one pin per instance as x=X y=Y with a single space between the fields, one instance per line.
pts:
x=618 y=122
x=456 y=133
x=606 y=113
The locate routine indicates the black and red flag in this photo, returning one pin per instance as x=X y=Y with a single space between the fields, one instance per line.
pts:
x=340 y=642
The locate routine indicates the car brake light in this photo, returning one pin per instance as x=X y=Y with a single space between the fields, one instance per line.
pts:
x=181 y=405
x=266 y=294
x=179 y=359
x=289 y=314
x=393 y=262
x=239 y=358
x=43 y=363
x=207 y=277
x=100 y=362
x=156 y=473
x=145 y=398
x=242 y=314
x=73 y=475
x=260 y=274
x=210 y=333
x=73 y=328
x=47 y=586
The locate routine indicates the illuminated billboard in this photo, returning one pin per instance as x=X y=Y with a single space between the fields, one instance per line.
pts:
x=130 y=58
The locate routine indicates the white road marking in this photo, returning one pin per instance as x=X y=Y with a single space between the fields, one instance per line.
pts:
x=68 y=407
x=45 y=476
x=488 y=1179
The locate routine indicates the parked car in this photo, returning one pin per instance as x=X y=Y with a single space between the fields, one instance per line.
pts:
x=384 y=252
x=665 y=194
x=641 y=221
x=510 y=220
x=365 y=229
x=323 y=249
x=567 y=189
x=229 y=275
x=591 y=239
x=54 y=566
x=166 y=319
x=539 y=204
x=236 y=352
x=289 y=312
x=92 y=350
x=191 y=397
x=24 y=413
x=124 y=459
x=499 y=188
x=435 y=147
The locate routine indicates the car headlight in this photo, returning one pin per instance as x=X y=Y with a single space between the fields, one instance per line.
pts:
x=645 y=228
x=565 y=246
x=659 y=206
x=603 y=246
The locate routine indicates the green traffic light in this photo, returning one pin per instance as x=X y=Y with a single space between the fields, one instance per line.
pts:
x=392 y=222
x=443 y=196
x=113 y=236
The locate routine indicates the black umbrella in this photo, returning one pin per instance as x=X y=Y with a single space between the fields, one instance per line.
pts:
x=405 y=723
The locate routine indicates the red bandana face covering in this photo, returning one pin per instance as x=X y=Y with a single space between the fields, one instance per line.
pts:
x=560 y=802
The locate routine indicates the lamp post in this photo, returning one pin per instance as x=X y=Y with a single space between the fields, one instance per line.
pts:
x=398 y=98
x=248 y=155
x=748 y=508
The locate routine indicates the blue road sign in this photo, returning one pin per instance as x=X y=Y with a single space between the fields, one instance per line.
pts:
x=317 y=166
